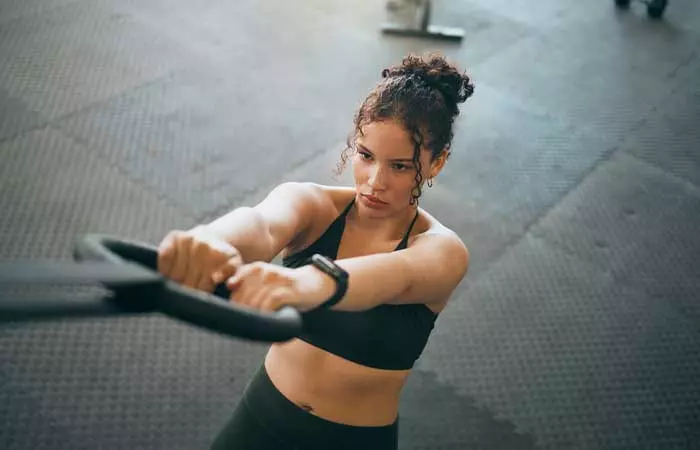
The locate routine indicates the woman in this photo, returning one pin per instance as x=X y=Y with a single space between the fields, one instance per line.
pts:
x=369 y=269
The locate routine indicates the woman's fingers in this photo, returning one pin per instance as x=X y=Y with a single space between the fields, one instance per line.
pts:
x=167 y=253
x=257 y=296
x=274 y=299
x=182 y=260
x=194 y=275
x=240 y=281
x=211 y=279
x=227 y=270
x=201 y=260
x=261 y=286
x=205 y=282
x=196 y=259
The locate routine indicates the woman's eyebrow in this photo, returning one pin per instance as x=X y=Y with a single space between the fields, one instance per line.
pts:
x=365 y=149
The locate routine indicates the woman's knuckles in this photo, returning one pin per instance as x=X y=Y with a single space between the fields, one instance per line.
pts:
x=192 y=277
x=197 y=259
x=205 y=284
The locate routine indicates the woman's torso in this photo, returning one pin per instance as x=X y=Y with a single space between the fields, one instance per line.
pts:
x=327 y=385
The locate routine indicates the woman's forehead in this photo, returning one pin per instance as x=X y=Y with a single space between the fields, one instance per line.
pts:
x=387 y=139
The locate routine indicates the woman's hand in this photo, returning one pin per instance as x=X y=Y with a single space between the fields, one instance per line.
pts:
x=269 y=287
x=197 y=259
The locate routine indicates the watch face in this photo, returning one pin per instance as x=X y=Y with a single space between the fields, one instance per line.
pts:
x=328 y=266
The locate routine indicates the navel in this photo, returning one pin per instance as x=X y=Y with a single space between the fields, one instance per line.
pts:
x=306 y=407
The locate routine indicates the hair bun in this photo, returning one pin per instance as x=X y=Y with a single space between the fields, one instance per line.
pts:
x=438 y=73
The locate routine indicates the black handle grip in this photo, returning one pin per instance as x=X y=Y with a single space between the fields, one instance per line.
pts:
x=213 y=312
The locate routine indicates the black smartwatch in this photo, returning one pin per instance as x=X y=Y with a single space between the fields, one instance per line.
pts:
x=330 y=268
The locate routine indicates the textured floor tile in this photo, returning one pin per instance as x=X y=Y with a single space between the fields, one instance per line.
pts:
x=604 y=79
x=15 y=117
x=14 y=9
x=638 y=224
x=81 y=53
x=552 y=343
x=671 y=138
x=510 y=164
x=57 y=191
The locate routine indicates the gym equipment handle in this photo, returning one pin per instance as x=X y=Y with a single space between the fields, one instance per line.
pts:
x=128 y=269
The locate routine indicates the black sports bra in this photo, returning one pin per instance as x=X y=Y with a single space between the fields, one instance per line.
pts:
x=385 y=337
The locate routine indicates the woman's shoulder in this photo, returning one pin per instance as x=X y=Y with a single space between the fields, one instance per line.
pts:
x=322 y=195
x=433 y=234
x=331 y=197
x=430 y=226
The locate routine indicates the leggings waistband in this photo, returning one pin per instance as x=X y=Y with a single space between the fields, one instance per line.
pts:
x=290 y=421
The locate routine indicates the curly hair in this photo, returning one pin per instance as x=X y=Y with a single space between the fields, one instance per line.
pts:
x=423 y=94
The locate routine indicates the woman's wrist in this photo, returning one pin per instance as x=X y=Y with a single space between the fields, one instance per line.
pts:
x=314 y=286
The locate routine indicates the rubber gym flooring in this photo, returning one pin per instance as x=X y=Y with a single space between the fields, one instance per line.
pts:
x=575 y=181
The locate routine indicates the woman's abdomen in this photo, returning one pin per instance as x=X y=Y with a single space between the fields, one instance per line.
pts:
x=334 y=388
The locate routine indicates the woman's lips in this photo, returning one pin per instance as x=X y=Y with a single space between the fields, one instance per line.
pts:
x=374 y=201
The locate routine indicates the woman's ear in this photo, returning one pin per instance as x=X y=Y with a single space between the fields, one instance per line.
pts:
x=437 y=164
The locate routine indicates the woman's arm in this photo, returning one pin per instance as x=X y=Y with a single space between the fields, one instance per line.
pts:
x=260 y=233
x=427 y=272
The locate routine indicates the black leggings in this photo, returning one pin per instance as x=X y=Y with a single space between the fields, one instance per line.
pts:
x=265 y=419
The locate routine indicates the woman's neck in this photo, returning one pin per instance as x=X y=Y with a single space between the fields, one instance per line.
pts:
x=392 y=227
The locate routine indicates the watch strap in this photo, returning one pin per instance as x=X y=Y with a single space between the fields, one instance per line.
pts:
x=339 y=275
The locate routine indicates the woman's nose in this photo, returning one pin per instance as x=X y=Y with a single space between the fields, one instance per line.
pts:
x=376 y=178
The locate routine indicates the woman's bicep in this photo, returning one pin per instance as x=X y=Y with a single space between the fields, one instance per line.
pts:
x=437 y=264
x=288 y=211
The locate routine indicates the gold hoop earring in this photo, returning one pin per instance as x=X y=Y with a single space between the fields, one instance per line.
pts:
x=430 y=182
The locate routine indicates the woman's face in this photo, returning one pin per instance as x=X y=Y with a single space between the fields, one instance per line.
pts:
x=385 y=175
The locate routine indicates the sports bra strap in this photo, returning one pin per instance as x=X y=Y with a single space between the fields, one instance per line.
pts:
x=347 y=208
x=404 y=241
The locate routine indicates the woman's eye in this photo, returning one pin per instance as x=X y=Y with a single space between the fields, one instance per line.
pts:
x=365 y=155
x=400 y=167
